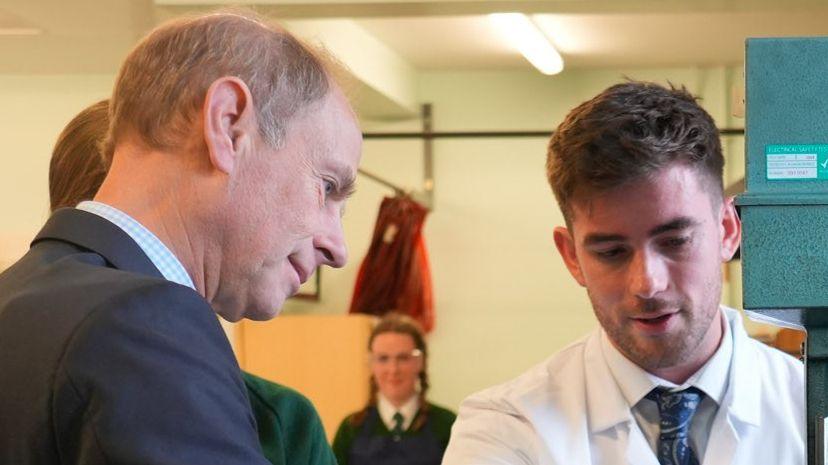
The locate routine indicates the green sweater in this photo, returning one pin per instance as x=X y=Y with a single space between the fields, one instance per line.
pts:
x=440 y=419
x=290 y=430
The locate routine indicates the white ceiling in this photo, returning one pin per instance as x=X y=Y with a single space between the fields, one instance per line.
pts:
x=93 y=35
x=591 y=40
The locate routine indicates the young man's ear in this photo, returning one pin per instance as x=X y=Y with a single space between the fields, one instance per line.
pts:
x=731 y=229
x=566 y=247
x=228 y=119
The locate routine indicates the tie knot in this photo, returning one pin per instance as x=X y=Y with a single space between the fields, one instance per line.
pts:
x=676 y=409
x=398 y=422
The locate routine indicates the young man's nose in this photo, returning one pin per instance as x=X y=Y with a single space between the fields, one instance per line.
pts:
x=647 y=275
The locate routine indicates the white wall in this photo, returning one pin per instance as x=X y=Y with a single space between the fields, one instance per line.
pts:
x=35 y=109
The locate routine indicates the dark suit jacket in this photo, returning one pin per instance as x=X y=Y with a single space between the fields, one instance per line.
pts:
x=104 y=361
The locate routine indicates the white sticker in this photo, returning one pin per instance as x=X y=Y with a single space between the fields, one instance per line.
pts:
x=792 y=166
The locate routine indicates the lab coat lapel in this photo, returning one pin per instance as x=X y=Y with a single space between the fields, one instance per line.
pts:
x=608 y=409
x=741 y=407
x=638 y=449
x=723 y=442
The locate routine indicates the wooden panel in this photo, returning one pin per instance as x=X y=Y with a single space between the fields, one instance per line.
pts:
x=790 y=341
x=322 y=356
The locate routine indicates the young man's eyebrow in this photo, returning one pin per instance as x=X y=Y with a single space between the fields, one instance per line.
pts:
x=677 y=224
x=595 y=239
x=674 y=225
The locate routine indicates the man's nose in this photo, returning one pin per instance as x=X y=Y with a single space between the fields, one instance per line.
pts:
x=329 y=244
x=648 y=275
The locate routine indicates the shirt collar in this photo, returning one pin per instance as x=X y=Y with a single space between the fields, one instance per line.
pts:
x=387 y=410
x=168 y=265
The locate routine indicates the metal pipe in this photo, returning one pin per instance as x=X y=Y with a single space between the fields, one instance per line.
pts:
x=397 y=189
x=428 y=158
x=490 y=134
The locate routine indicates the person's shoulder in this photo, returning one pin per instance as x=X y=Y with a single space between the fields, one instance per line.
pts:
x=441 y=420
x=779 y=370
x=137 y=290
x=440 y=412
x=345 y=434
x=347 y=423
x=279 y=398
x=77 y=297
x=780 y=376
x=301 y=434
x=510 y=422
x=149 y=316
x=540 y=381
x=137 y=304
x=156 y=347
x=773 y=361
x=83 y=283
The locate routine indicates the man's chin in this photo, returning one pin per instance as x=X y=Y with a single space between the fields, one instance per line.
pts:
x=266 y=312
x=263 y=309
x=258 y=306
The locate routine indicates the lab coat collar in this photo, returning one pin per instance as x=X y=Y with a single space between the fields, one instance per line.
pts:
x=742 y=399
x=606 y=405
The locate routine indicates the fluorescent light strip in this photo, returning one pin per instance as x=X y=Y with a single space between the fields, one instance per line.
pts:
x=19 y=31
x=521 y=32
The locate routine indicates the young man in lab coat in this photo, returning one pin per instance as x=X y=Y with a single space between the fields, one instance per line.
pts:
x=670 y=377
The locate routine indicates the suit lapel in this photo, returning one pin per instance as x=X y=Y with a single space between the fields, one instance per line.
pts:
x=99 y=235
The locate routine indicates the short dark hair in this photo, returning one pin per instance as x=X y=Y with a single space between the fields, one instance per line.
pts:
x=628 y=132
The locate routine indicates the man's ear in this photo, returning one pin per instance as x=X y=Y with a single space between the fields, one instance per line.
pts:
x=566 y=247
x=228 y=118
x=731 y=229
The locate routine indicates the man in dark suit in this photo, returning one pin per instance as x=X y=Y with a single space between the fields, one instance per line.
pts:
x=232 y=153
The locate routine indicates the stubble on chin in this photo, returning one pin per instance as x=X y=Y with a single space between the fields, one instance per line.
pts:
x=660 y=351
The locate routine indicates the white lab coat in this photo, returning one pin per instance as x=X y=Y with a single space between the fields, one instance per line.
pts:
x=569 y=411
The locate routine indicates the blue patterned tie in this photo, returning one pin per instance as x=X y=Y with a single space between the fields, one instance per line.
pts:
x=676 y=410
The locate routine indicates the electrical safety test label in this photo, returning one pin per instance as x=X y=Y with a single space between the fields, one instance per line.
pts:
x=793 y=162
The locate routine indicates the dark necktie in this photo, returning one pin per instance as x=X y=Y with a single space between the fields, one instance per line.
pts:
x=398 y=423
x=676 y=410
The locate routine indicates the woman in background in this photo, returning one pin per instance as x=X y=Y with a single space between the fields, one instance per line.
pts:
x=289 y=428
x=398 y=426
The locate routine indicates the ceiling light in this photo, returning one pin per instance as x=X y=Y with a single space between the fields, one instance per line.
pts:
x=521 y=32
x=19 y=31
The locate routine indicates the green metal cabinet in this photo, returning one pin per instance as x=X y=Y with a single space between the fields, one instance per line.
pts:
x=784 y=209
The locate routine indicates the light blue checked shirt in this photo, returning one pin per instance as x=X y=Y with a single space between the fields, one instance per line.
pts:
x=156 y=251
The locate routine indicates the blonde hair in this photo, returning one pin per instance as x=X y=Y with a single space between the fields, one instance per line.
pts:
x=162 y=83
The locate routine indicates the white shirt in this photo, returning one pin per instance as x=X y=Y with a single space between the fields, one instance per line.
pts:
x=408 y=410
x=634 y=383
x=570 y=410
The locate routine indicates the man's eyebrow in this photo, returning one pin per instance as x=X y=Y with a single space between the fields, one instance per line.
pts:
x=595 y=239
x=673 y=225
x=346 y=185
x=677 y=224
